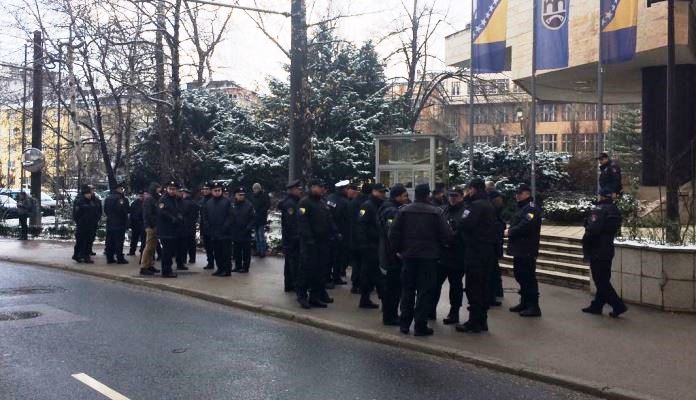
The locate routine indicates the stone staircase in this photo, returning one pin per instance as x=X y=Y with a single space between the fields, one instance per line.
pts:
x=560 y=263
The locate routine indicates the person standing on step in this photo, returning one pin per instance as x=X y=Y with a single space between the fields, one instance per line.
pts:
x=137 y=224
x=601 y=228
x=315 y=228
x=609 y=175
x=417 y=236
x=356 y=253
x=289 y=223
x=339 y=205
x=243 y=220
x=85 y=211
x=191 y=211
x=262 y=203
x=116 y=208
x=25 y=208
x=523 y=235
x=170 y=219
x=216 y=216
x=368 y=235
x=477 y=227
x=450 y=267
x=389 y=262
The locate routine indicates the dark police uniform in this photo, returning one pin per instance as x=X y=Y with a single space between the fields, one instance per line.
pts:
x=210 y=258
x=451 y=266
x=315 y=229
x=523 y=246
x=289 y=222
x=116 y=209
x=355 y=253
x=85 y=212
x=187 y=237
x=170 y=219
x=390 y=264
x=368 y=241
x=601 y=228
x=243 y=221
x=97 y=203
x=216 y=216
x=495 y=279
x=477 y=226
x=610 y=178
x=137 y=226
x=340 y=211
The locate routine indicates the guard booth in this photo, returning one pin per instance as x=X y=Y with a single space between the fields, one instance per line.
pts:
x=411 y=160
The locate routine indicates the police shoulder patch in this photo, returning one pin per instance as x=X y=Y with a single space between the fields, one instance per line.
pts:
x=303 y=210
x=362 y=212
x=530 y=216
x=331 y=204
x=161 y=205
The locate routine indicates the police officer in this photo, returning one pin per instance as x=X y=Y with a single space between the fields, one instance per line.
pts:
x=598 y=247
x=150 y=210
x=389 y=262
x=478 y=229
x=170 y=219
x=368 y=237
x=315 y=228
x=137 y=224
x=116 y=208
x=216 y=216
x=495 y=280
x=85 y=212
x=417 y=236
x=243 y=220
x=609 y=175
x=290 y=230
x=451 y=264
x=339 y=205
x=356 y=253
x=437 y=198
x=205 y=195
x=188 y=233
x=523 y=245
x=25 y=209
x=97 y=203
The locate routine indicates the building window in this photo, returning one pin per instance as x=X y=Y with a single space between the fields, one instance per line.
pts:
x=585 y=143
x=547 y=142
x=584 y=112
x=492 y=87
x=546 y=112
x=483 y=139
x=491 y=114
x=455 y=89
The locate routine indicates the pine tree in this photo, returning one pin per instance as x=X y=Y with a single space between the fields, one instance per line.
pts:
x=625 y=140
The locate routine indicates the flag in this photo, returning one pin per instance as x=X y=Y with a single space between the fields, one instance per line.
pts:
x=551 y=33
x=490 y=31
x=619 y=19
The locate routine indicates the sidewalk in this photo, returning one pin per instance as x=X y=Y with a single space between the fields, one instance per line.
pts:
x=648 y=352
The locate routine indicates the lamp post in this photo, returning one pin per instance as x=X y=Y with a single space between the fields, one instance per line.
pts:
x=520 y=117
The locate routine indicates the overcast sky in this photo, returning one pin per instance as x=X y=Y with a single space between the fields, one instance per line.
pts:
x=248 y=57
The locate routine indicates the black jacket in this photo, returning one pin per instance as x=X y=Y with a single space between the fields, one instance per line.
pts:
x=262 y=203
x=610 y=177
x=340 y=211
x=525 y=230
x=243 y=220
x=601 y=228
x=116 y=209
x=289 y=221
x=368 y=224
x=498 y=204
x=201 y=206
x=86 y=213
x=170 y=217
x=190 y=210
x=137 y=221
x=387 y=213
x=354 y=210
x=453 y=254
x=315 y=222
x=216 y=217
x=479 y=231
x=419 y=231
x=97 y=203
x=25 y=208
x=150 y=208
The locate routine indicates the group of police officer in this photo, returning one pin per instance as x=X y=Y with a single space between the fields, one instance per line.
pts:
x=405 y=250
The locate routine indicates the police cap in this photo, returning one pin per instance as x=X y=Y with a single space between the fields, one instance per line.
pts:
x=293 y=184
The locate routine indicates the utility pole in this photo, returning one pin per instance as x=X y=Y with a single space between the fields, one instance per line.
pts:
x=300 y=143
x=673 y=231
x=24 y=112
x=37 y=122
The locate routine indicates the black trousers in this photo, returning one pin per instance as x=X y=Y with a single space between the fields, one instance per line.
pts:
x=137 y=236
x=456 y=286
x=292 y=263
x=524 y=269
x=169 y=246
x=82 y=248
x=370 y=275
x=495 y=282
x=312 y=266
x=209 y=254
x=221 y=251
x=601 y=275
x=477 y=290
x=92 y=235
x=355 y=266
x=114 y=243
x=242 y=255
x=391 y=294
x=190 y=242
x=23 y=228
x=181 y=251
x=418 y=281
x=339 y=261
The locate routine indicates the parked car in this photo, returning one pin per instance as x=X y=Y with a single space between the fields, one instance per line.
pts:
x=8 y=207
x=48 y=204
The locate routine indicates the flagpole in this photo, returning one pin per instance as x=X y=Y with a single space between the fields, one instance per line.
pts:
x=471 y=93
x=600 y=94
x=532 y=139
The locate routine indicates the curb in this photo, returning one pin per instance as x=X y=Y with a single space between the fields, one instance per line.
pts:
x=407 y=343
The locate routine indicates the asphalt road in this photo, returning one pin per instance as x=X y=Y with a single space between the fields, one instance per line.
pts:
x=150 y=345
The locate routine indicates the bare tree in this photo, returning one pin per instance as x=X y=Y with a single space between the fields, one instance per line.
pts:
x=206 y=34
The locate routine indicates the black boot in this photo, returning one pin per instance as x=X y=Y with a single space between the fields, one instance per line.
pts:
x=470 y=326
x=593 y=309
x=452 y=317
x=531 y=311
x=518 y=307
x=365 y=302
x=618 y=310
x=304 y=303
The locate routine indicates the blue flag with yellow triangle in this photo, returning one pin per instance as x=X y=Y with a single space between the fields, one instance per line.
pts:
x=490 y=31
x=619 y=21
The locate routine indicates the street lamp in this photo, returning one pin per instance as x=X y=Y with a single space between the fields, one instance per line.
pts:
x=520 y=117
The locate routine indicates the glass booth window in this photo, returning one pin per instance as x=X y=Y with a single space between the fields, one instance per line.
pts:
x=404 y=151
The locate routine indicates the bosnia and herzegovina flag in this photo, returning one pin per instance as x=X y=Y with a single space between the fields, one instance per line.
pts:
x=551 y=33
x=490 y=31
x=619 y=20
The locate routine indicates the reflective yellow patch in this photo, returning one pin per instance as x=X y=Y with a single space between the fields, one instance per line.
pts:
x=362 y=212
x=530 y=216
x=303 y=210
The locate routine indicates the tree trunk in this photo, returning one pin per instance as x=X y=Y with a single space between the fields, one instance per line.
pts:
x=161 y=123
x=300 y=138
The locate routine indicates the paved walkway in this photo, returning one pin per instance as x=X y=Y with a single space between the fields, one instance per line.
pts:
x=648 y=352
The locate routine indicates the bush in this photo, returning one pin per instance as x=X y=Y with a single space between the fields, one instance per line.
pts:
x=567 y=208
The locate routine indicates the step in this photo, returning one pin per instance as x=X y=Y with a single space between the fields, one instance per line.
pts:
x=561 y=247
x=554 y=277
x=562 y=239
x=558 y=266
